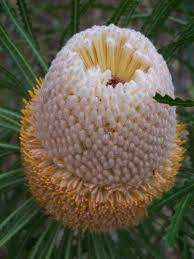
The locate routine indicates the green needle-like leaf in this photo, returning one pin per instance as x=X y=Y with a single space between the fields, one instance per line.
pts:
x=8 y=126
x=177 y=219
x=11 y=121
x=85 y=5
x=25 y=17
x=173 y=102
x=182 y=39
x=30 y=230
x=79 y=244
x=191 y=145
x=158 y=16
x=51 y=241
x=10 y=81
x=63 y=242
x=170 y=197
x=44 y=246
x=110 y=246
x=75 y=4
x=9 y=147
x=5 y=137
x=83 y=9
x=10 y=179
x=10 y=113
x=17 y=220
x=17 y=57
x=68 y=248
x=125 y=19
x=98 y=246
x=129 y=248
x=25 y=36
x=118 y=11
x=4 y=154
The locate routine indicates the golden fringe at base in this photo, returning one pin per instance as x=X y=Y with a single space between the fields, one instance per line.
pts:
x=81 y=205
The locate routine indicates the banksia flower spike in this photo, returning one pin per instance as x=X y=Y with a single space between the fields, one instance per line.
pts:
x=96 y=147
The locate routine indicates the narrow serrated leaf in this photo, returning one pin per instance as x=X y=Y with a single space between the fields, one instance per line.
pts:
x=176 y=220
x=158 y=16
x=83 y=9
x=17 y=57
x=25 y=36
x=75 y=5
x=130 y=9
x=170 y=197
x=173 y=102
x=118 y=11
x=182 y=39
x=25 y=17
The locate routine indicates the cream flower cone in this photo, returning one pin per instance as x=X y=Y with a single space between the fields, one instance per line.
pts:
x=96 y=146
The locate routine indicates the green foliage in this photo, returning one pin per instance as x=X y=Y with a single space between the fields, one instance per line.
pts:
x=45 y=243
x=17 y=220
x=25 y=17
x=9 y=81
x=182 y=39
x=177 y=219
x=7 y=120
x=24 y=231
x=28 y=232
x=158 y=16
x=17 y=57
x=75 y=16
x=68 y=248
x=11 y=114
x=170 y=101
x=65 y=244
x=9 y=147
x=25 y=36
x=10 y=179
x=125 y=19
x=172 y=196
x=83 y=9
x=118 y=11
x=191 y=144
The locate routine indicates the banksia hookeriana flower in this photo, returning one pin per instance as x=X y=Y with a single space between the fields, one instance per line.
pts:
x=96 y=146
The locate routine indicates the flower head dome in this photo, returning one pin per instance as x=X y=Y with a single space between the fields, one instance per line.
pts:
x=96 y=146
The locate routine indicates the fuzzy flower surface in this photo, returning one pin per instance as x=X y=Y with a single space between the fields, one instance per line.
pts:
x=96 y=147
